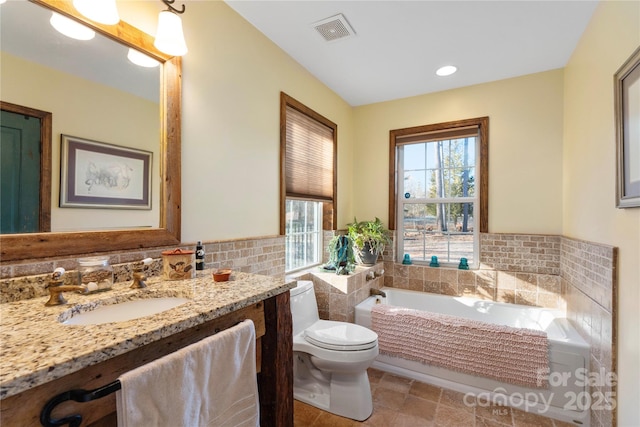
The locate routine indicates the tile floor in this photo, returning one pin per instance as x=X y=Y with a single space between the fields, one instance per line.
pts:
x=402 y=402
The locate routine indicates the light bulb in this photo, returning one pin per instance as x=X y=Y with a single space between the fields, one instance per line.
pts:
x=169 y=38
x=141 y=59
x=71 y=28
x=102 y=11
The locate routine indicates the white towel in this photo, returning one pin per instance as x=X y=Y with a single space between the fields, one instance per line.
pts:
x=211 y=383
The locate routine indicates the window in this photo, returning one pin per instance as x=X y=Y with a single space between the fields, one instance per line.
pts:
x=308 y=181
x=303 y=234
x=440 y=193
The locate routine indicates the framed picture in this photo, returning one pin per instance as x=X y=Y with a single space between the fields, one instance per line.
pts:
x=98 y=175
x=627 y=114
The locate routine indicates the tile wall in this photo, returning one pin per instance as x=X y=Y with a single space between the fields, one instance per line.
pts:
x=547 y=271
x=337 y=296
x=514 y=268
x=589 y=283
x=541 y=270
x=263 y=255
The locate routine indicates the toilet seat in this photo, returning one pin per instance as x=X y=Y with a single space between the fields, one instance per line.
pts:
x=340 y=336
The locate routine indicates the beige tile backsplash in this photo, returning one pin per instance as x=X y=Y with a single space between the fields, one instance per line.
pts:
x=262 y=255
x=514 y=268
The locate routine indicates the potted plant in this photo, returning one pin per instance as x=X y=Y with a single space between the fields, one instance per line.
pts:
x=341 y=257
x=369 y=239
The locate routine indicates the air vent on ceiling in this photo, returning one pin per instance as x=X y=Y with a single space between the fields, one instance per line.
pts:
x=334 y=28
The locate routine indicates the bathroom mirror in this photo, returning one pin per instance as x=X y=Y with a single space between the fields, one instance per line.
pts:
x=40 y=245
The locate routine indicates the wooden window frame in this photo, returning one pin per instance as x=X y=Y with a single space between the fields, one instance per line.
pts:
x=329 y=211
x=482 y=123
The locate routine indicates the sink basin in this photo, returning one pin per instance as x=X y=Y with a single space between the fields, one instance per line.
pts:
x=123 y=311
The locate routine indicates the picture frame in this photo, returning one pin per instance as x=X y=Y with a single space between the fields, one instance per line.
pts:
x=627 y=121
x=99 y=175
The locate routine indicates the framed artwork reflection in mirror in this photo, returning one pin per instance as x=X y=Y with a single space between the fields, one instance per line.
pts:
x=99 y=175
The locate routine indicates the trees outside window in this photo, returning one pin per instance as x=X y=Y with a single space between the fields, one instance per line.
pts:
x=436 y=200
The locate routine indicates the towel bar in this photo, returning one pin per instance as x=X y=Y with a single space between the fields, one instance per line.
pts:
x=81 y=395
x=77 y=396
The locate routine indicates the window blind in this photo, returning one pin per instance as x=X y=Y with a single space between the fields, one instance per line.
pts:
x=309 y=157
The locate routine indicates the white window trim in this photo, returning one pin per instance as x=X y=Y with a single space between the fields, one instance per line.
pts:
x=319 y=235
x=401 y=202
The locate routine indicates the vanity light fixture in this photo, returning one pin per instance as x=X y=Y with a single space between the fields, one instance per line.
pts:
x=447 y=70
x=102 y=11
x=141 y=59
x=169 y=37
x=71 y=28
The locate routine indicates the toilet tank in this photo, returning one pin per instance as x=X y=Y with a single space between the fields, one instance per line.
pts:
x=304 y=308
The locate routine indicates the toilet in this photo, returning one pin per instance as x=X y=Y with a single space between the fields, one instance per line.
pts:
x=330 y=359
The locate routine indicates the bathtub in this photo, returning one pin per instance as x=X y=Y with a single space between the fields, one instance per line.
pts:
x=568 y=355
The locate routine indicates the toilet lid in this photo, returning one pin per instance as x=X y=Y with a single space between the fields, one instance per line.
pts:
x=340 y=336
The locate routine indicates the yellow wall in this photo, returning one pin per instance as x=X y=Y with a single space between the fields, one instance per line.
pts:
x=552 y=153
x=525 y=148
x=88 y=110
x=232 y=78
x=589 y=172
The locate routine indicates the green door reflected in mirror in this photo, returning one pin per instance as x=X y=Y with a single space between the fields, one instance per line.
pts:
x=19 y=173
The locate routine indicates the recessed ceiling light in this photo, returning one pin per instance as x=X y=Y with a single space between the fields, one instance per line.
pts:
x=447 y=70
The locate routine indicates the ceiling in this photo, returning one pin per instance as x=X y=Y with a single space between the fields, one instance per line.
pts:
x=25 y=32
x=399 y=44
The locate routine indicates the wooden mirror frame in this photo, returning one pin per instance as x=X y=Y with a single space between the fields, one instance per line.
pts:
x=14 y=247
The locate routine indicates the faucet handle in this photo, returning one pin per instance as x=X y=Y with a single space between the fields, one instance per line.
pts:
x=139 y=280
x=58 y=273
x=139 y=276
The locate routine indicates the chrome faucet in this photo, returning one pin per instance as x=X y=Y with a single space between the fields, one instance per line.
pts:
x=374 y=291
x=56 y=288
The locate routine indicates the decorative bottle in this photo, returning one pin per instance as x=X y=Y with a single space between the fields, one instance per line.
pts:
x=199 y=256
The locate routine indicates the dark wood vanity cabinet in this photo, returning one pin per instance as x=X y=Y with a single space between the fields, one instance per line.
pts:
x=274 y=351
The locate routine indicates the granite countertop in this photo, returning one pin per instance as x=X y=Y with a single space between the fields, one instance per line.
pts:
x=36 y=348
